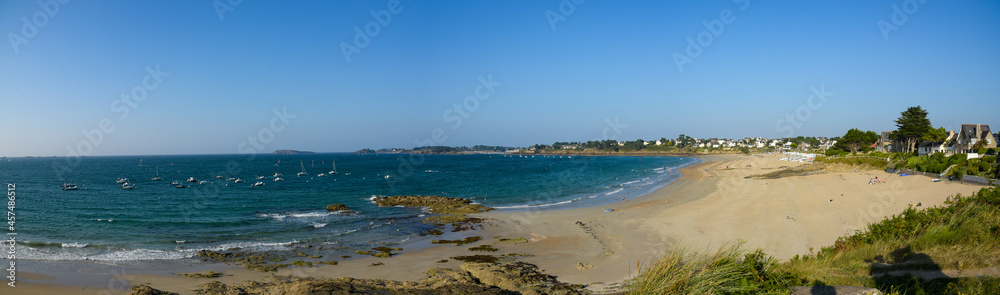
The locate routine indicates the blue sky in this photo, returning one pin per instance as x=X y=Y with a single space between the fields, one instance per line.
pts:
x=221 y=78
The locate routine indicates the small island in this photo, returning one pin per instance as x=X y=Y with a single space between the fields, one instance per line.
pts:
x=291 y=152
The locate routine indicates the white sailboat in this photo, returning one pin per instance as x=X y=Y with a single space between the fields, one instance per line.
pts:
x=303 y=169
x=157 y=177
x=334 y=171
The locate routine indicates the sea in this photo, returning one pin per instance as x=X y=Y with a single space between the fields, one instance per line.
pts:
x=100 y=221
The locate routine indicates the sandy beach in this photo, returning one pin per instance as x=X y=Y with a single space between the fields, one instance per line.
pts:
x=711 y=205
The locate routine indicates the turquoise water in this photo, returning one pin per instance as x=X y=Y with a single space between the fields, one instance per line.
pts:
x=100 y=221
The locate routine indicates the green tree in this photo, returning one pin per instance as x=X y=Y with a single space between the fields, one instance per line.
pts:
x=936 y=135
x=912 y=126
x=856 y=139
x=683 y=141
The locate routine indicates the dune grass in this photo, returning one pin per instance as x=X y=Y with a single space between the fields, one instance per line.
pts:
x=729 y=270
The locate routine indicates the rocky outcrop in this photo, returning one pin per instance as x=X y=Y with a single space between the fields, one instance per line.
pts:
x=337 y=207
x=437 y=204
x=473 y=278
x=449 y=210
x=518 y=277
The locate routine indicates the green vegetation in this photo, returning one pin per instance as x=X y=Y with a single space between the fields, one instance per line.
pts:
x=863 y=162
x=727 y=271
x=964 y=234
x=856 y=139
x=935 y=163
x=912 y=125
x=938 y=163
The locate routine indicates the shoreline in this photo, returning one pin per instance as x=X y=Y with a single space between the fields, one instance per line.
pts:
x=709 y=205
x=162 y=274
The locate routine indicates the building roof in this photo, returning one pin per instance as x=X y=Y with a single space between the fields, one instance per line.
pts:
x=969 y=130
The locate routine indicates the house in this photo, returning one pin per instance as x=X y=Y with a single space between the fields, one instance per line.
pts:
x=886 y=144
x=947 y=147
x=973 y=136
x=827 y=144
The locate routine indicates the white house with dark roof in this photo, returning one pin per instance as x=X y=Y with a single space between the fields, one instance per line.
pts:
x=946 y=147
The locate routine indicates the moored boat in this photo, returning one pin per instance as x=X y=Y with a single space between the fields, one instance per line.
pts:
x=157 y=177
x=303 y=169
